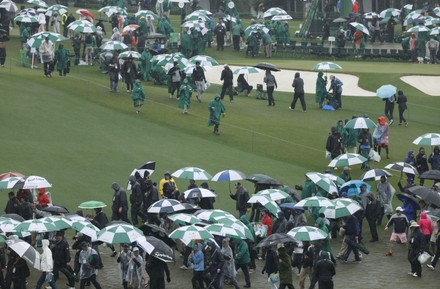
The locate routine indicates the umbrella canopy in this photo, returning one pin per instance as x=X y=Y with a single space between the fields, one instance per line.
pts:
x=267 y=66
x=291 y=206
x=146 y=14
x=435 y=31
x=59 y=9
x=145 y=167
x=353 y=188
x=404 y=197
x=110 y=10
x=36 y=39
x=307 y=233
x=326 y=66
x=360 y=122
x=196 y=24
x=8 y=183
x=282 y=17
x=59 y=222
x=9 y=6
x=413 y=15
x=428 y=195
x=219 y=14
x=86 y=228
x=214 y=215
x=428 y=139
x=339 y=20
x=119 y=234
x=55 y=209
x=204 y=60
x=338 y=181
x=431 y=175
x=166 y=206
x=192 y=173
x=197 y=15
x=36 y=226
x=238 y=225
x=113 y=45
x=228 y=175
x=374 y=175
x=26 y=19
x=370 y=15
x=7 y=225
x=386 y=91
x=86 y=13
x=189 y=233
x=199 y=193
x=25 y=251
x=273 y=11
x=323 y=182
x=92 y=205
x=40 y=3
x=130 y=28
x=263 y=179
x=167 y=60
x=402 y=167
x=315 y=202
x=360 y=27
x=342 y=207
x=82 y=26
x=246 y=70
x=266 y=202
x=184 y=219
x=14 y=217
x=11 y=174
x=225 y=231
x=156 y=248
x=32 y=182
x=274 y=239
x=387 y=13
x=417 y=29
x=255 y=28
x=436 y=11
x=273 y=194
x=347 y=159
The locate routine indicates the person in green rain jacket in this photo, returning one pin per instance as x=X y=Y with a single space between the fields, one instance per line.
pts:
x=62 y=59
x=146 y=64
x=321 y=88
x=185 y=92
x=216 y=110
x=186 y=43
x=138 y=95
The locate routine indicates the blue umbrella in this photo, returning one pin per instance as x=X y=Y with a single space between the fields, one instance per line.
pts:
x=352 y=188
x=386 y=91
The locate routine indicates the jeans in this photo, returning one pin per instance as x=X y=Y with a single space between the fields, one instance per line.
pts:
x=113 y=85
x=42 y=279
x=401 y=117
x=352 y=248
x=270 y=98
x=197 y=279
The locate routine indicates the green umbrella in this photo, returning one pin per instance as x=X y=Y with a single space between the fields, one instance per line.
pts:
x=360 y=122
x=119 y=234
x=238 y=225
x=82 y=26
x=346 y=160
x=86 y=228
x=360 y=27
x=192 y=173
x=273 y=194
x=189 y=233
x=225 y=231
x=36 y=39
x=8 y=183
x=36 y=226
x=130 y=54
x=322 y=181
x=314 y=202
x=146 y=14
x=92 y=205
x=184 y=219
x=273 y=11
x=26 y=19
x=8 y=225
x=428 y=139
x=342 y=207
x=110 y=10
x=326 y=66
x=307 y=233
x=247 y=70
x=204 y=60
x=59 y=222
x=59 y=9
x=113 y=45
x=214 y=215
x=266 y=202
x=255 y=28
x=417 y=29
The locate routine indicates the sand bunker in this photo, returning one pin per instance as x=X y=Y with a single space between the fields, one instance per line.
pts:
x=426 y=84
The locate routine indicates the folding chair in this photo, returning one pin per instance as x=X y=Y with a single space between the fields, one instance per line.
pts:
x=261 y=93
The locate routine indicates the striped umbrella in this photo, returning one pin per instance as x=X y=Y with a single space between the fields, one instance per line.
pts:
x=25 y=251
x=428 y=139
x=166 y=206
x=314 y=202
x=336 y=179
x=402 y=168
x=36 y=39
x=204 y=60
x=417 y=29
x=8 y=183
x=119 y=234
x=11 y=174
x=110 y=10
x=323 y=182
x=130 y=28
x=26 y=19
x=361 y=27
x=9 y=6
x=36 y=226
x=282 y=17
x=156 y=248
x=370 y=15
x=146 y=14
x=184 y=219
x=342 y=207
x=435 y=31
x=307 y=233
x=113 y=45
x=40 y=3
x=224 y=231
x=374 y=175
x=199 y=193
x=413 y=15
x=347 y=159
x=273 y=194
x=86 y=228
x=7 y=225
x=387 y=13
x=326 y=66
x=192 y=173
x=82 y=26
x=214 y=215
x=266 y=202
x=196 y=16
x=360 y=122
x=189 y=233
x=273 y=11
x=167 y=60
x=32 y=182
x=129 y=54
x=247 y=70
x=238 y=225
x=57 y=8
x=228 y=176
x=254 y=28
x=59 y=222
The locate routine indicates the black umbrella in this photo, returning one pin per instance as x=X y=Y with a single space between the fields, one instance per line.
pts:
x=219 y=15
x=434 y=212
x=266 y=66
x=431 y=175
x=262 y=179
x=156 y=248
x=151 y=230
x=101 y=19
x=408 y=197
x=274 y=239
x=14 y=217
x=55 y=209
x=428 y=195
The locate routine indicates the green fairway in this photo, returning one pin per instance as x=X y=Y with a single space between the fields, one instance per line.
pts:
x=81 y=137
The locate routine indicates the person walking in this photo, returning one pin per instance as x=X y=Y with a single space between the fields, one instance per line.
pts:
x=134 y=273
x=426 y=228
x=113 y=73
x=199 y=78
x=400 y=225
x=241 y=198
x=271 y=84
x=61 y=259
x=242 y=259
x=285 y=269
x=62 y=60
x=333 y=144
x=220 y=32
x=129 y=73
x=414 y=249
x=136 y=199
x=156 y=270
x=228 y=271
x=216 y=110
x=385 y=197
x=137 y=95
x=307 y=263
x=123 y=260
x=228 y=79
x=352 y=233
x=372 y=208
x=365 y=142
x=401 y=101
x=380 y=136
x=437 y=246
x=197 y=258
x=324 y=271
x=298 y=85
x=422 y=163
x=119 y=205
x=185 y=92
x=46 y=267
x=434 y=159
x=175 y=75
x=88 y=260
x=389 y=108
x=336 y=87
x=47 y=53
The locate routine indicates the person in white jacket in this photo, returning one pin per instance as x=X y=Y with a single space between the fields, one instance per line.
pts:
x=42 y=22
x=46 y=267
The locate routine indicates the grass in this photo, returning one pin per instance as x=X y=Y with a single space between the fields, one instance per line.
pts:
x=82 y=138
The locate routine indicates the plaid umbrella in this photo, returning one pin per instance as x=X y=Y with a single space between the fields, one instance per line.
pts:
x=8 y=183
x=36 y=39
x=315 y=202
x=9 y=6
x=119 y=234
x=238 y=225
x=347 y=160
x=273 y=11
x=82 y=26
x=36 y=226
x=228 y=175
x=166 y=206
x=32 y=182
x=352 y=188
x=307 y=233
x=386 y=91
x=184 y=219
x=110 y=10
x=213 y=215
x=192 y=173
x=273 y=194
x=266 y=202
x=323 y=182
x=326 y=66
x=146 y=14
x=402 y=167
x=254 y=28
x=199 y=193
x=417 y=29
x=25 y=251
x=156 y=248
x=342 y=207
x=26 y=19
x=276 y=238
x=428 y=139
x=92 y=205
x=225 y=231
x=387 y=13
x=59 y=222
x=59 y=9
x=189 y=233
x=113 y=45
x=360 y=122
x=40 y=3
x=360 y=27
x=374 y=175
x=7 y=225
x=246 y=70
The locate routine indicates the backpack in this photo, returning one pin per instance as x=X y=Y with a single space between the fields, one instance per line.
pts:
x=89 y=39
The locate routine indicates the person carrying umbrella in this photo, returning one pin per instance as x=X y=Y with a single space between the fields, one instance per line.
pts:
x=134 y=273
x=414 y=249
x=47 y=52
x=122 y=260
x=88 y=259
x=185 y=92
x=324 y=271
x=421 y=163
x=137 y=95
x=389 y=108
x=228 y=269
x=216 y=110
x=46 y=267
x=61 y=259
x=100 y=221
x=365 y=142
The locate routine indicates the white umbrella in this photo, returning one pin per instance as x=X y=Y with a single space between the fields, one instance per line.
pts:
x=361 y=27
x=25 y=251
x=32 y=182
x=40 y=3
x=9 y=6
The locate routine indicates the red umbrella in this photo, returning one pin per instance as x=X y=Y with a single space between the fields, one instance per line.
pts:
x=11 y=174
x=86 y=13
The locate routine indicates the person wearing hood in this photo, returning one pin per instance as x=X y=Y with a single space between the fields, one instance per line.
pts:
x=61 y=259
x=61 y=59
x=333 y=145
x=216 y=263
x=324 y=271
x=285 y=269
x=437 y=248
x=146 y=64
x=185 y=92
x=135 y=200
x=401 y=101
x=156 y=270
x=100 y=221
x=280 y=224
x=150 y=196
x=410 y=159
x=434 y=159
x=380 y=135
x=271 y=262
x=415 y=248
x=167 y=186
x=407 y=205
x=365 y=142
x=134 y=273
x=422 y=163
x=47 y=52
x=216 y=110
x=385 y=196
x=352 y=233
x=271 y=84
x=425 y=225
x=242 y=259
x=298 y=85
x=228 y=81
x=129 y=73
x=123 y=260
x=252 y=252
x=228 y=269
x=321 y=88
x=137 y=95
x=120 y=204
x=336 y=86
x=116 y=36
x=88 y=259
x=46 y=267
x=197 y=258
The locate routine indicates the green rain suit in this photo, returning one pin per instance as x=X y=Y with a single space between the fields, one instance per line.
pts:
x=321 y=88
x=146 y=64
x=138 y=95
x=61 y=58
x=216 y=109
x=185 y=92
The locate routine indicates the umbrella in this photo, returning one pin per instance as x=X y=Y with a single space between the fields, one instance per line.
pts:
x=228 y=175
x=426 y=194
x=26 y=19
x=273 y=11
x=238 y=225
x=110 y=10
x=225 y=231
x=145 y=167
x=255 y=28
x=342 y=207
x=274 y=239
x=273 y=194
x=370 y=15
x=146 y=14
x=386 y=91
x=213 y=215
x=315 y=202
x=156 y=248
x=25 y=251
x=166 y=206
x=409 y=198
x=184 y=219
x=204 y=60
x=387 y=13
x=113 y=45
x=14 y=217
x=192 y=173
x=431 y=175
x=86 y=228
x=82 y=26
x=9 y=6
x=77 y=218
x=130 y=28
x=270 y=205
x=402 y=167
x=323 y=182
x=360 y=122
x=374 y=175
x=11 y=174
x=59 y=222
x=360 y=27
x=347 y=159
x=413 y=15
x=219 y=15
x=263 y=179
x=246 y=70
x=129 y=54
x=199 y=193
x=326 y=66
x=119 y=234
x=408 y=7
x=417 y=29
x=435 y=31
x=196 y=24
x=59 y=9
x=92 y=205
x=40 y=3
x=431 y=139
x=189 y=233
x=336 y=179
x=307 y=233
x=32 y=182
x=86 y=13
x=167 y=60
x=8 y=183
x=36 y=39
x=352 y=188
x=339 y=20
x=54 y=209
x=36 y=226
x=197 y=16
x=436 y=11
x=8 y=225
x=291 y=206
x=282 y=17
